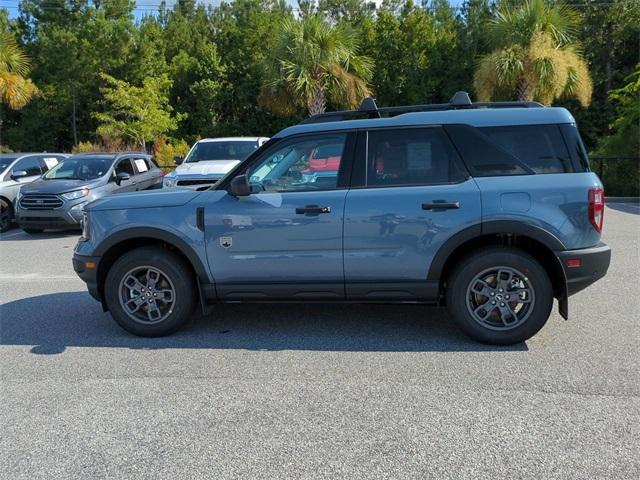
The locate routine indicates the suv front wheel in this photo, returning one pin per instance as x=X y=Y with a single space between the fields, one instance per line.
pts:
x=150 y=292
x=500 y=295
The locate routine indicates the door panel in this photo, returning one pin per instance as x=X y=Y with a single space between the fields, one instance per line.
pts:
x=260 y=247
x=285 y=240
x=390 y=240
x=415 y=195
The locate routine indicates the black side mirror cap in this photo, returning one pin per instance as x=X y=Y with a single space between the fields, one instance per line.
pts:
x=239 y=186
x=178 y=160
x=121 y=177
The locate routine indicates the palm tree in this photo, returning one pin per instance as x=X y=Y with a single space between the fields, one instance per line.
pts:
x=15 y=88
x=315 y=62
x=535 y=56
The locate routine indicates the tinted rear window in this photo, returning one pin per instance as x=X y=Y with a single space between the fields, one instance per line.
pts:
x=512 y=150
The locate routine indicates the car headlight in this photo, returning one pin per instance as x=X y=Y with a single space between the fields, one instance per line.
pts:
x=170 y=181
x=76 y=194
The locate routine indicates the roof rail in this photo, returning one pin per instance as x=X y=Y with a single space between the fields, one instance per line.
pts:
x=369 y=109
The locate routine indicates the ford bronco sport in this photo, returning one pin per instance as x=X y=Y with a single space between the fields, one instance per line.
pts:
x=489 y=208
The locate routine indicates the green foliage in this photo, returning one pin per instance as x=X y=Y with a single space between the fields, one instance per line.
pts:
x=164 y=152
x=315 y=62
x=136 y=114
x=215 y=56
x=535 y=56
x=16 y=89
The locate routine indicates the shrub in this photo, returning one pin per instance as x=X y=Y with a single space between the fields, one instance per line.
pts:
x=164 y=152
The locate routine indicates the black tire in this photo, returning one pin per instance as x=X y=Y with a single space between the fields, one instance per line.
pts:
x=462 y=301
x=176 y=275
x=6 y=215
x=33 y=231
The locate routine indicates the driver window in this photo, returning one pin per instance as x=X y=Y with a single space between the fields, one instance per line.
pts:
x=124 y=166
x=309 y=163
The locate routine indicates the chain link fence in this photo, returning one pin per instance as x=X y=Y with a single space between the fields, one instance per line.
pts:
x=620 y=175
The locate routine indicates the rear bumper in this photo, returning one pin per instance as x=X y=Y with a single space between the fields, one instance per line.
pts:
x=594 y=263
x=88 y=275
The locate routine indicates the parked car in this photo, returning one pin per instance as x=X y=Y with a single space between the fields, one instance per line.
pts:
x=56 y=200
x=209 y=160
x=489 y=208
x=16 y=170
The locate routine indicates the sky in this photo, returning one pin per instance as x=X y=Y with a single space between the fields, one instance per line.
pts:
x=151 y=6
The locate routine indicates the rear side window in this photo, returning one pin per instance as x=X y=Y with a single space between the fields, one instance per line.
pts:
x=512 y=150
x=412 y=156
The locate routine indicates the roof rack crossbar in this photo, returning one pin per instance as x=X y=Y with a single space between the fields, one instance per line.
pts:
x=369 y=109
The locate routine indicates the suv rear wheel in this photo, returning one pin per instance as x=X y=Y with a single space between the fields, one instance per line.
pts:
x=150 y=292
x=500 y=295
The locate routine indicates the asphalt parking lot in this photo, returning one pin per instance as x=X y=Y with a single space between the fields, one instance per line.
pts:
x=313 y=391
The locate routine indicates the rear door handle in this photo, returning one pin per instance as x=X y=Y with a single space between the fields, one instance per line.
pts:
x=440 y=205
x=312 y=210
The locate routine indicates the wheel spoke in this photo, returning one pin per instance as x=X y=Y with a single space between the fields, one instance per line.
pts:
x=504 y=282
x=518 y=294
x=481 y=287
x=133 y=284
x=483 y=311
x=507 y=315
x=134 y=304
x=152 y=278
x=153 y=312
x=165 y=296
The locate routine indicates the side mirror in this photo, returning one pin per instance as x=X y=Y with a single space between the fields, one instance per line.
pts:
x=239 y=186
x=18 y=174
x=178 y=160
x=122 y=177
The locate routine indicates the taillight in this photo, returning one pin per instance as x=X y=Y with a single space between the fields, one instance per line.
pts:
x=596 y=208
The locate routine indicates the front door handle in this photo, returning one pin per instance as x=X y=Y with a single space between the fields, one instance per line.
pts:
x=312 y=210
x=440 y=205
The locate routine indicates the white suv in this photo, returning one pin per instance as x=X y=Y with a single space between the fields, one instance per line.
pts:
x=209 y=160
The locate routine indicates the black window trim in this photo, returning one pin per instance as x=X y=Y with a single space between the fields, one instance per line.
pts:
x=362 y=158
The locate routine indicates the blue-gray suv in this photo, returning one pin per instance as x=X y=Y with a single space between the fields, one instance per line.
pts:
x=488 y=208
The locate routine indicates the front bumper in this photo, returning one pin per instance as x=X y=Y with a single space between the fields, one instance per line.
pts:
x=59 y=218
x=88 y=275
x=593 y=265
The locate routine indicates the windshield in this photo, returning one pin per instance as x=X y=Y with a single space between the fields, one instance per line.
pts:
x=80 y=168
x=232 y=150
x=5 y=162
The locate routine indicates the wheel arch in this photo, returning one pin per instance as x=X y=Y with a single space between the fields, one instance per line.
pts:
x=126 y=240
x=532 y=239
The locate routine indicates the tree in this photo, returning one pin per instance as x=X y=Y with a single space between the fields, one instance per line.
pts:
x=315 y=62
x=16 y=90
x=535 y=55
x=625 y=140
x=136 y=114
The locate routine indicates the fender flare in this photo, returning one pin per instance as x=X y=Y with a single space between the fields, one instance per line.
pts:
x=157 y=234
x=488 y=228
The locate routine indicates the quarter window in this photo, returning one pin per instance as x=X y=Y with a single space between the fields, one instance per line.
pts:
x=412 y=156
x=304 y=164
x=511 y=150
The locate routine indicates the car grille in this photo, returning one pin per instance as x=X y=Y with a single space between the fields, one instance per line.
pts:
x=190 y=183
x=40 y=201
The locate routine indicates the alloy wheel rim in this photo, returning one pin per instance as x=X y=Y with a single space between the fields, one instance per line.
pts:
x=147 y=295
x=500 y=298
